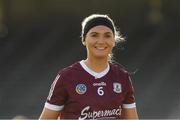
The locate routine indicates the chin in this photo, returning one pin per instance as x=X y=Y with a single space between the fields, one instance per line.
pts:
x=101 y=56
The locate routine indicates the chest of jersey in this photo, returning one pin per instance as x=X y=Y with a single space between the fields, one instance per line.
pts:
x=94 y=98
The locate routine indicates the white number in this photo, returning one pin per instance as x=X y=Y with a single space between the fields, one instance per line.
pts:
x=100 y=91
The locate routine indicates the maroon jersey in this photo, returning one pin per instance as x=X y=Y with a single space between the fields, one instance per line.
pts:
x=80 y=93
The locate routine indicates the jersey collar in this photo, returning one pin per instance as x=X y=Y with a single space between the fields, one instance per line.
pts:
x=93 y=73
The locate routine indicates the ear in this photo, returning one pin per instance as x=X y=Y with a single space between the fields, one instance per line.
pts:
x=114 y=43
x=84 y=43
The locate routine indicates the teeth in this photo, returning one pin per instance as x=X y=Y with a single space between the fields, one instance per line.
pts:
x=101 y=48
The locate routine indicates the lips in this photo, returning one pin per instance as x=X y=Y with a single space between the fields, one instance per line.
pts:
x=100 y=48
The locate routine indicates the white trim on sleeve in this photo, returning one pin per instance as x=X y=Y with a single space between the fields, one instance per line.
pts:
x=53 y=107
x=52 y=87
x=132 y=105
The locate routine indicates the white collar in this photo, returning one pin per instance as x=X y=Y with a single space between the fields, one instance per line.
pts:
x=93 y=73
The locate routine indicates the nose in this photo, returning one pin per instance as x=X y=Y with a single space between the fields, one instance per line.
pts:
x=101 y=40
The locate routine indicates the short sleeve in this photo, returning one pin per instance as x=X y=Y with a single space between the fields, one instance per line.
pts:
x=129 y=101
x=57 y=94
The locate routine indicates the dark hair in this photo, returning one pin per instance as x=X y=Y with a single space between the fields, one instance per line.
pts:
x=100 y=19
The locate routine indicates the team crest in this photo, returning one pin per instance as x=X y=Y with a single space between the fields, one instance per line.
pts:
x=81 y=89
x=117 y=87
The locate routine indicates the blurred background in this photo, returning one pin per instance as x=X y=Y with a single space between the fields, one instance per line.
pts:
x=39 y=37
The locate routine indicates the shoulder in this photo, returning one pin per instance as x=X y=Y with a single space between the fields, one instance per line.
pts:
x=123 y=74
x=69 y=70
x=118 y=68
x=66 y=73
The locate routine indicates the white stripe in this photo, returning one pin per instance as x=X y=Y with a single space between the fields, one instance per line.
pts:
x=133 y=105
x=53 y=107
x=52 y=87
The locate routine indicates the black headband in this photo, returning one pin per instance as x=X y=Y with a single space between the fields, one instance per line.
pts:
x=98 y=21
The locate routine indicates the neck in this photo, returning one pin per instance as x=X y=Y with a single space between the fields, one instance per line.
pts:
x=96 y=65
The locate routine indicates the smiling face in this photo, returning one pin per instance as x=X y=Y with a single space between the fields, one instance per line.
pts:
x=99 y=42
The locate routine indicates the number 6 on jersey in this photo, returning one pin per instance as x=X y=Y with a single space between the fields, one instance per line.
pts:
x=100 y=91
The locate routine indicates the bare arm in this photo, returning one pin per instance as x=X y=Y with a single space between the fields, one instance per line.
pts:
x=129 y=113
x=49 y=114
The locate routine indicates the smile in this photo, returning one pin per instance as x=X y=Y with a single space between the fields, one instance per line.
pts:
x=100 y=48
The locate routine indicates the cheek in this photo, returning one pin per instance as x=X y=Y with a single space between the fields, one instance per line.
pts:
x=112 y=43
x=88 y=42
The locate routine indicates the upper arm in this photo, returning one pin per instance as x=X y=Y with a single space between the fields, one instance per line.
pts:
x=56 y=99
x=49 y=114
x=129 y=106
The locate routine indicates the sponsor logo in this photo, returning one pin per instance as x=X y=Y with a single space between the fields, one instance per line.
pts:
x=81 y=89
x=99 y=84
x=108 y=113
x=117 y=87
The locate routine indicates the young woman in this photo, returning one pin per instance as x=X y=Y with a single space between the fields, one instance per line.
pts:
x=95 y=87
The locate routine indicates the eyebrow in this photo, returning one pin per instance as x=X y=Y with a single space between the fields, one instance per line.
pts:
x=98 y=33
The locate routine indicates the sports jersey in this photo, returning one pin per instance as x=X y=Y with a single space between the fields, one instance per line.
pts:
x=80 y=93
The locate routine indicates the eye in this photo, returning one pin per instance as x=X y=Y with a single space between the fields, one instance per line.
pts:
x=108 y=35
x=94 y=35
